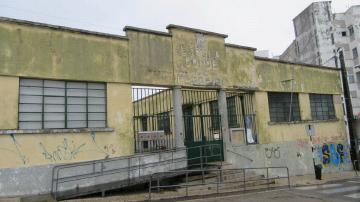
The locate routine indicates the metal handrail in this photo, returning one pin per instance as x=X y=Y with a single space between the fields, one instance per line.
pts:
x=219 y=177
x=56 y=180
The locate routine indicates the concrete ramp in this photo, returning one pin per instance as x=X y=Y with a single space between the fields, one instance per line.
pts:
x=76 y=179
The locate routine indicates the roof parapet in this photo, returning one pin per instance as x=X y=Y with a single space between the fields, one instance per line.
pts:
x=150 y=31
x=241 y=47
x=170 y=26
x=62 y=28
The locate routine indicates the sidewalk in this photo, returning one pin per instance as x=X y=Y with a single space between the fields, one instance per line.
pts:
x=142 y=195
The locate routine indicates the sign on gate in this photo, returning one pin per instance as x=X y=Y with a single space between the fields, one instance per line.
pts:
x=151 y=135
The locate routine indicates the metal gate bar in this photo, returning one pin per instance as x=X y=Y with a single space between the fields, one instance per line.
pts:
x=153 y=119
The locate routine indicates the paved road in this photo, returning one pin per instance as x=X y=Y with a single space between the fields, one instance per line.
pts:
x=346 y=190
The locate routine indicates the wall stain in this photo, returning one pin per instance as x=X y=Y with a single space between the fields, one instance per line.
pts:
x=24 y=160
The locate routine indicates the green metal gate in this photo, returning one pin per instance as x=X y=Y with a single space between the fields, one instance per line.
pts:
x=202 y=126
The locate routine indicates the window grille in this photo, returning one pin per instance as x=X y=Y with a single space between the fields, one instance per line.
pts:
x=279 y=107
x=322 y=107
x=61 y=104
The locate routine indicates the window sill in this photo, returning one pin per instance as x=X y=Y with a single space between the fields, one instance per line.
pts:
x=302 y=122
x=52 y=131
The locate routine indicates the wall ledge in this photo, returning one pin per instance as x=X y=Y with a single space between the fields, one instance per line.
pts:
x=52 y=131
x=302 y=122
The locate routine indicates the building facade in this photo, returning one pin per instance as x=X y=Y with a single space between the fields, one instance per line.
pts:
x=72 y=95
x=321 y=34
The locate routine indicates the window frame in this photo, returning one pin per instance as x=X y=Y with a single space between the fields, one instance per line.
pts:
x=231 y=111
x=214 y=112
x=164 y=119
x=66 y=105
x=331 y=115
x=276 y=116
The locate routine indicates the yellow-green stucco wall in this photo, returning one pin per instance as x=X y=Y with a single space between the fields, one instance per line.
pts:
x=47 y=53
x=37 y=149
x=182 y=58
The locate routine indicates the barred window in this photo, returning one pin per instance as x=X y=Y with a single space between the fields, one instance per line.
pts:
x=231 y=110
x=214 y=111
x=163 y=120
x=61 y=104
x=322 y=107
x=279 y=107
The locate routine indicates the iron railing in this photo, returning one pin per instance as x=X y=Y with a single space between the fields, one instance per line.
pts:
x=131 y=167
x=219 y=179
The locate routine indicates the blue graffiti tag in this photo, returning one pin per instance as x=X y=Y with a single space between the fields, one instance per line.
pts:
x=335 y=157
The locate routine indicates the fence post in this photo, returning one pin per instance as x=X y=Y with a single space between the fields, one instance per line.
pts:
x=218 y=181
x=186 y=183
x=129 y=165
x=244 y=180
x=267 y=177
x=158 y=184
x=150 y=187
x=287 y=169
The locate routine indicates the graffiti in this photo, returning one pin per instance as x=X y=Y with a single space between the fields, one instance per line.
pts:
x=333 y=154
x=107 y=149
x=272 y=152
x=67 y=150
x=24 y=160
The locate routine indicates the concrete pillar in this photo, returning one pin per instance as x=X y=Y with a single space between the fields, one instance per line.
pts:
x=224 y=116
x=178 y=117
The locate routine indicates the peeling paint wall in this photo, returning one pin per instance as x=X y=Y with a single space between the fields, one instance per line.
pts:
x=9 y=89
x=150 y=58
x=199 y=59
x=46 y=53
x=274 y=76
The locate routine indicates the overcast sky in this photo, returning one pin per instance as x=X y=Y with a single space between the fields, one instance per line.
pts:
x=264 y=24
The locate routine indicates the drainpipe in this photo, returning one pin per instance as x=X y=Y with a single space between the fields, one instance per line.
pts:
x=353 y=140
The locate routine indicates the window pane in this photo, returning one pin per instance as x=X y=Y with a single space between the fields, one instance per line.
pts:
x=97 y=116
x=30 y=99
x=96 y=93
x=54 y=124
x=54 y=116
x=76 y=100
x=76 y=124
x=322 y=107
x=54 y=100
x=76 y=92
x=76 y=108
x=97 y=124
x=31 y=90
x=30 y=117
x=279 y=107
x=54 y=91
x=30 y=108
x=76 y=85
x=54 y=108
x=92 y=100
x=30 y=125
x=96 y=108
x=31 y=82
x=76 y=116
